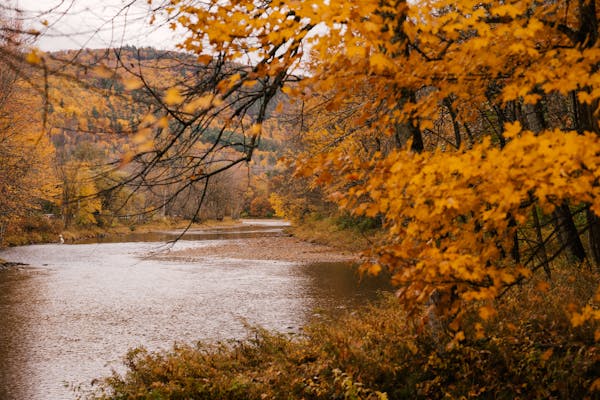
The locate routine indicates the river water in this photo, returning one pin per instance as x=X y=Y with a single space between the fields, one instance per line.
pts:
x=71 y=314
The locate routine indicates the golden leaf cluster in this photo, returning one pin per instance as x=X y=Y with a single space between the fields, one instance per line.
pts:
x=452 y=122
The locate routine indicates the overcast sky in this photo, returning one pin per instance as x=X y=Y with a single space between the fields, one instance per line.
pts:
x=74 y=24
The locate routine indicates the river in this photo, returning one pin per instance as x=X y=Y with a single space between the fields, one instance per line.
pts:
x=71 y=314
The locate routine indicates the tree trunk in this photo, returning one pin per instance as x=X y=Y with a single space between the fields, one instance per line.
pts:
x=594 y=235
x=417 y=139
x=568 y=233
x=541 y=248
x=455 y=125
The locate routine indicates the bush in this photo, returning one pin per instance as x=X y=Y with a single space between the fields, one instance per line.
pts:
x=31 y=229
x=528 y=351
x=359 y=223
x=261 y=207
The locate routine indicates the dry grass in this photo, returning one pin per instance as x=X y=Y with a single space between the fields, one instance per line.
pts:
x=529 y=351
x=42 y=230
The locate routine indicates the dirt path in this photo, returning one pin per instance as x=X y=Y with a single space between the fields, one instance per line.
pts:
x=280 y=248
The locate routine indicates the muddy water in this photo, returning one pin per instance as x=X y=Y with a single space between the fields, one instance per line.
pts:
x=72 y=313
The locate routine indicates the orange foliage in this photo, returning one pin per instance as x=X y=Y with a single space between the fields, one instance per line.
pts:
x=399 y=88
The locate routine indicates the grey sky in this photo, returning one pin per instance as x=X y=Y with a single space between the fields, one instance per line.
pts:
x=73 y=24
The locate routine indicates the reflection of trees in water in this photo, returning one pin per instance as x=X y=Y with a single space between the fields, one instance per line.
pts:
x=17 y=339
x=339 y=285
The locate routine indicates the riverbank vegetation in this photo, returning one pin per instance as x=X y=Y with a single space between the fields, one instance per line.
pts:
x=529 y=349
x=42 y=229
x=343 y=233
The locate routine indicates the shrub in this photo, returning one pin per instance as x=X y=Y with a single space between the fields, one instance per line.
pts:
x=528 y=350
x=261 y=207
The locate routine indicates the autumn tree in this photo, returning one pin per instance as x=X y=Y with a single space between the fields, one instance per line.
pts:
x=443 y=122
x=456 y=212
x=26 y=177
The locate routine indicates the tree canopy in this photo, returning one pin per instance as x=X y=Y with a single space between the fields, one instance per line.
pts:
x=468 y=128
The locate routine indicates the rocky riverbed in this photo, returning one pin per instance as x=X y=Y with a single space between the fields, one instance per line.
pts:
x=279 y=248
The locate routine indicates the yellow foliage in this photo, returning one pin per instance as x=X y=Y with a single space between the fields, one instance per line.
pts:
x=277 y=203
x=459 y=239
x=173 y=97
x=33 y=57
x=133 y=83
x=26 y=154
x=436 y=117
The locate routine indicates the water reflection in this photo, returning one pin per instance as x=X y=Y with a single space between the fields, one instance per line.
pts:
x=72 y=314
x=17 y=323
x=337 y=286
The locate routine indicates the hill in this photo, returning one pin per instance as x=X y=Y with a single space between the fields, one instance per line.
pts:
x=102 y=102
x=106 y=117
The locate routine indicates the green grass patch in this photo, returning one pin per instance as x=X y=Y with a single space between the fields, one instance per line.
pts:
x=343 y=232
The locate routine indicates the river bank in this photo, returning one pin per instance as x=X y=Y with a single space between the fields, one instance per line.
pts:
x=280 y=248
x=49 y=231
x=8 y=264
x=283 y=247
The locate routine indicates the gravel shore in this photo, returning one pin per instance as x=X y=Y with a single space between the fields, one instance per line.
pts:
x=279 y=248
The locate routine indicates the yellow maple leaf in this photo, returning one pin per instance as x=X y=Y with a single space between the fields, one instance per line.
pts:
x=255 y=129
x=585 y=97
x=204 y=59
x=506 y=9
x=578 y=319
x=173 y=97
x=33 y=57
x=287 y=90
x=380 y=63
x=163 y=122
x=201 y=103
x=132 y=83
x=512 y=129
x=356 y=51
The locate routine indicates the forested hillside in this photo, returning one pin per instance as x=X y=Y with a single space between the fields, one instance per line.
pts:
x=109 y=126
x=88 y=113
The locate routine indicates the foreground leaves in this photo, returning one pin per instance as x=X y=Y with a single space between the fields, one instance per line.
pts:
x=379 y=353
